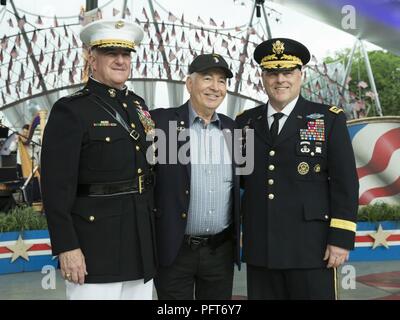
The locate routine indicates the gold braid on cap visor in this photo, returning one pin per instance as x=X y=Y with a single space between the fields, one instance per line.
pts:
x=285 y=61
x=113 y=43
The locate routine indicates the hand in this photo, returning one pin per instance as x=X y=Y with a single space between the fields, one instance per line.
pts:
x=73 y=266
x=336 y=256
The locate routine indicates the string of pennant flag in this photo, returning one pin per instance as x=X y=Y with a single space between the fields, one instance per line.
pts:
x=45 y=54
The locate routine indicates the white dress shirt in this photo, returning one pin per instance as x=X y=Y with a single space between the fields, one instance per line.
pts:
x=286 y=113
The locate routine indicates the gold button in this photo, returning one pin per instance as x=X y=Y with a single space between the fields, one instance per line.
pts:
x=270 y=182
x=187 y=191
x=108 y=139
x=271 y=167
x=139 y=170
x=326 y=216
x=137 y=148
x=184 y=215
x=133 y=125
x=125 y=105
x=271 y=196
x=91 y=218
x=312 y=153
x=272 y=153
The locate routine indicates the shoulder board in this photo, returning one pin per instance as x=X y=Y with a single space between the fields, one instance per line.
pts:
x=135 y=95
x=335 y=109
x=80 y=93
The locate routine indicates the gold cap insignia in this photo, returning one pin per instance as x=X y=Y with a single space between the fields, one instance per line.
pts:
x=278 y=47
x=303 y=168
x=335 y=109
x=119 y=24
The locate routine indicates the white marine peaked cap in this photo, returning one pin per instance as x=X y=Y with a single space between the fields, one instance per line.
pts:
x=112 y=33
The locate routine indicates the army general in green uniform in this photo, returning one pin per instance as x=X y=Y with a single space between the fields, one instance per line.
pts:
x=300 y=202
x=97 y=185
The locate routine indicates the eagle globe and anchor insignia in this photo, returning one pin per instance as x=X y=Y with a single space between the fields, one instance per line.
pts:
x=303 y=168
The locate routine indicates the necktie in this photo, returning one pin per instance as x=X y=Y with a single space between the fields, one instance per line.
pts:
x=275 y=125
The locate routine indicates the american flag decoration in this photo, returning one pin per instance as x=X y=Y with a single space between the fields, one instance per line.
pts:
x=171 y=17
x=35 y=253
x=170 y=43
x=200 y=20
x=156 y=16
x=376 y=145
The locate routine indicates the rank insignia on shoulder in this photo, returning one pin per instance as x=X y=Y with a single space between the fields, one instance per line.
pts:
x=104 y=123
x=79 y=93
x=335 y=109
x=315 y=116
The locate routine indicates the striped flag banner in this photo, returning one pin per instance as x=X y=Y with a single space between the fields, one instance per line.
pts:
x=39 y=251
x=376 y=144
x=367 y=248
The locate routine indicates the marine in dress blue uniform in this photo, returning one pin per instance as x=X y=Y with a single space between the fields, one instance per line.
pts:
x=300 y=203
x=97 y=185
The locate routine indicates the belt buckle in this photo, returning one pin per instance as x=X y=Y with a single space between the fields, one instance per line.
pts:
x=141 y=183
x=195 y=242
x=134 y=134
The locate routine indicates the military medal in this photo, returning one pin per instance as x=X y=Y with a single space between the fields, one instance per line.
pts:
x=303 y=168
x=145 y=119
x=315 y=131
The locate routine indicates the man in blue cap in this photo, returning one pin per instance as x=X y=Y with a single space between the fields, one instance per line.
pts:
x=197 y=195
x=300 y=202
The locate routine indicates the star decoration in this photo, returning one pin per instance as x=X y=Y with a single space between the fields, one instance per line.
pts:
x=20 y=249
x=380 y=237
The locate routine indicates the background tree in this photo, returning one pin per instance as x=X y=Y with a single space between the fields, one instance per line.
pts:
x=386 y=69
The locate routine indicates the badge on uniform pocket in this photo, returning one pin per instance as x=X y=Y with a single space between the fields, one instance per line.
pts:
x=310 y=148
x=303 y=168
x=305 y=147
x=104 y=123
